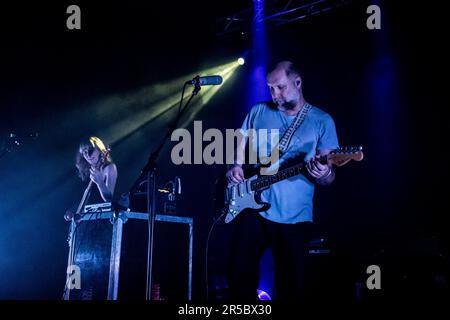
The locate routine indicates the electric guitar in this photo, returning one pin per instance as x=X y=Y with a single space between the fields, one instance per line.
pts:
x=246 y=195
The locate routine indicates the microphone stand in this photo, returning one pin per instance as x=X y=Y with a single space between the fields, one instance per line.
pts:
x=149 y=174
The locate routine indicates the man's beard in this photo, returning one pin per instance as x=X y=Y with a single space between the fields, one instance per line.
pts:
x=288 y=105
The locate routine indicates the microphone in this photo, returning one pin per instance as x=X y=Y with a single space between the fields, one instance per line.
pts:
x=178 y=185
x=174 y=190
x=205 y=81
x=174 y=187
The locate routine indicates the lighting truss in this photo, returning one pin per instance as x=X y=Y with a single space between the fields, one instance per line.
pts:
x=277 y=13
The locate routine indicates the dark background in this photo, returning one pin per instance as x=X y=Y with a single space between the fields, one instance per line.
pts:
x=382 y=87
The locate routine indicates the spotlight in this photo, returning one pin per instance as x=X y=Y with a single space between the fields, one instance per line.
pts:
x=241 y=61
x=262 y=295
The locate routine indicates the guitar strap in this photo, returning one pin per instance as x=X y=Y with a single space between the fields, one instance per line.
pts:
x=283 y=144
x=295 y=124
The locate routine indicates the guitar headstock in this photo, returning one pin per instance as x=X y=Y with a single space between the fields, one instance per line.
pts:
x=341 y=156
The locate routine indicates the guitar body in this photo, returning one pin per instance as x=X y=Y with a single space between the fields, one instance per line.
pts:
x=240 y=196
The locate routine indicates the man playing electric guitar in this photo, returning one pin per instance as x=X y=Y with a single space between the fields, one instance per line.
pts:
x=285 y=225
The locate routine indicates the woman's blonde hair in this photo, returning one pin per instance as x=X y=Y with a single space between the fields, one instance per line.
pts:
x=80 y=162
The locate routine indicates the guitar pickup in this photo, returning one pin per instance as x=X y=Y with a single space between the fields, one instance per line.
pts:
x=240 y=191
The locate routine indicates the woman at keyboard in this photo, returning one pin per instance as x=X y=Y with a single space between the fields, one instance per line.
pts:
x=94 y=164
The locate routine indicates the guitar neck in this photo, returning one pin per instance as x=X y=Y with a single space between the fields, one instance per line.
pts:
x=266 y=181
x=338 y=157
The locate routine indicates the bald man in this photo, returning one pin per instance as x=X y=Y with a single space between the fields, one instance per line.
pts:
x=286 y=225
